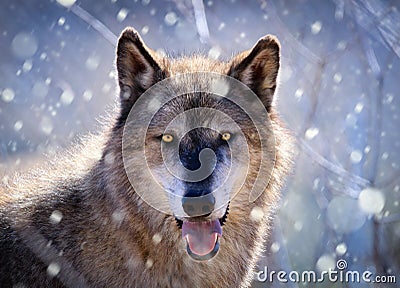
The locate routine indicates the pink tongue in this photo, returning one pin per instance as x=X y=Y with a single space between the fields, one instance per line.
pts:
x=201 y=236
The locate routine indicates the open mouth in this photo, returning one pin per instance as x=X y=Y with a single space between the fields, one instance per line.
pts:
x=202 y=237
x=202 y=241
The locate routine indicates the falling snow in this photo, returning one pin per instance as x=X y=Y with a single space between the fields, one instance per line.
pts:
x=40 y=89
x=18 y=125
x=316 y=27
x=256 y=214
x=356 y=156
x=46 y=125
x=27 y=66
x=214 y=52
x=170 y=18
x=145 y=30
x=149 y=263
x=157 y=238
x=337 y=78
x=299 y=93
x=92 y=63
x=7 y=95
x=341 y=249
x=53 y=269
x=275 y=247
x=359 y=107
x=87 y=95
x=67 y=97
x=341 y=45
x=66 y=3
x=154 y=104
x=298 y=225
x=56 y=217
x=24 y=45
x=351 y=120
x=371 y=201
x=326 y=263
x=121 y=16
x=220 y=87
x=109 y=158
x=118 y=217
x=311 y=133
x=340 y=206
x=389 y=98
x=61 y=21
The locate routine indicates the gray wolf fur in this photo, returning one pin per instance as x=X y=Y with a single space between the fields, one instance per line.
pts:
x=77 y=222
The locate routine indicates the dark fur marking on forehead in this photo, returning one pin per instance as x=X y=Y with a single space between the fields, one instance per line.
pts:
x=191 y=101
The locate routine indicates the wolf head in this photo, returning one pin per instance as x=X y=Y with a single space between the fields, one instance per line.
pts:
x=201 y=146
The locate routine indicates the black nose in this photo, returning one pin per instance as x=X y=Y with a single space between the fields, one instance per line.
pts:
x=196 y=204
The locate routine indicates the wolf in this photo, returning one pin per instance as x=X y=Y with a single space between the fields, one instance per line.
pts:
x=79 y=220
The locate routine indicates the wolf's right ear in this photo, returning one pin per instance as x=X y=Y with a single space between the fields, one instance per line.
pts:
x=137 y=67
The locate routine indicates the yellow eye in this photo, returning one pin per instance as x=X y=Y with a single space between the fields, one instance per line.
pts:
x=167 y=138
x=226 y=136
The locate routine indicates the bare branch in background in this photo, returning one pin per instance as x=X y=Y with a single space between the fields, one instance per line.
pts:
x=95 y=23
x=201 y=20
x=328 y=165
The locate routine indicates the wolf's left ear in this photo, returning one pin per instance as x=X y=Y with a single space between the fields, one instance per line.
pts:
x=137 y=66
x=258 y=68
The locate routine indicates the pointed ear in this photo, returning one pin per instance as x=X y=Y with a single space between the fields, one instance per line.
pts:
x=137 y=67
x=258 y=68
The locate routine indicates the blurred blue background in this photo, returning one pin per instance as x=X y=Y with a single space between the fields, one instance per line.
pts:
x=339 y=93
